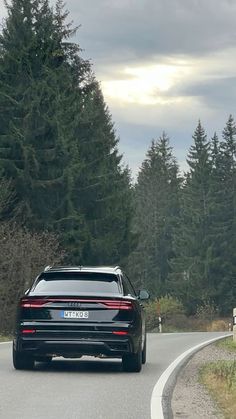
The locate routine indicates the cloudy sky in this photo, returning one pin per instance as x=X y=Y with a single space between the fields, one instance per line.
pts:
x=162 y=64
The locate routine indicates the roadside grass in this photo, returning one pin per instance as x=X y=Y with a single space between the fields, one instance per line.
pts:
x=5 y=338
x=227 y=343
x=220 y=380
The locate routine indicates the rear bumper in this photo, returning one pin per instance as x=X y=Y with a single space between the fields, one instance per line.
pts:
x=77 y=341
x=73 y=348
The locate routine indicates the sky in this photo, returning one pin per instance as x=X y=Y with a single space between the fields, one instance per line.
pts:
x=162 y=65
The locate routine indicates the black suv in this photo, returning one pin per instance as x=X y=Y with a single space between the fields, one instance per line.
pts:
x=76 y=311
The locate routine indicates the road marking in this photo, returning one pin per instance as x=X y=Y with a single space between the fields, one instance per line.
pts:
x=157 y=394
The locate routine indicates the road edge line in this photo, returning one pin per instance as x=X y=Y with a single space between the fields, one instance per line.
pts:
x=157 y=393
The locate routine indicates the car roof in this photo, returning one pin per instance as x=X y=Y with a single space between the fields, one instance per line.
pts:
x=92 y=269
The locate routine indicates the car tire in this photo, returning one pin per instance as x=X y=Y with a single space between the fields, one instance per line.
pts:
x=22 y=361
x=132 y=362
x=144 y=351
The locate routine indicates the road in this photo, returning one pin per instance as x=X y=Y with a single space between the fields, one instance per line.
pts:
x=88 y=388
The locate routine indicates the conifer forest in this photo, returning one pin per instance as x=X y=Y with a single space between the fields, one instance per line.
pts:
x=66 y=196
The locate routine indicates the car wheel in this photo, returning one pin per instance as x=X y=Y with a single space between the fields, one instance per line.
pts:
x=144 y=351
x=132 y=362
x=22 y=361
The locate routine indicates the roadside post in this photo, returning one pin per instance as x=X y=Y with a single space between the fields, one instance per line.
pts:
x=159 y=316
x=160 y=324
x=234 y=324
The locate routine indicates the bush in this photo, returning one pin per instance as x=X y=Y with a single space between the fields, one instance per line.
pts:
x=152 y=321
x=169 y=308
x=218 y=326
x=175 y=320
x=23 y=255
x=207 y=310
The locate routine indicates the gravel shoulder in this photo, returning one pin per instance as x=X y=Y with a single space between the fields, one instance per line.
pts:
x=190 y=399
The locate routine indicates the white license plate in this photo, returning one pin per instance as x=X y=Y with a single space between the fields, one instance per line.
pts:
x=75 y=314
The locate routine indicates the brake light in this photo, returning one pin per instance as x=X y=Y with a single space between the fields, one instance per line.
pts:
x=37 y=303
x=118 y=305
x=110 y=304
x=120 y=332
x=28 y=331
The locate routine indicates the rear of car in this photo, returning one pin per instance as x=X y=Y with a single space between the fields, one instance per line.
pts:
x=72 y=312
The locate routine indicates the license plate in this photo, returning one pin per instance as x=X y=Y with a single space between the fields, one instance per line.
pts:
x=75 y=314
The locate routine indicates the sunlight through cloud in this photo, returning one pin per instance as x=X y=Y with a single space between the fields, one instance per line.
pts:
x=146 y=85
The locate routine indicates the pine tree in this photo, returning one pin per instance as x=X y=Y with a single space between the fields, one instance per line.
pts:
x=31 y=153
x=101 y=187
x=156 y=210
x=191 y=279
x=57 y=140
x=227 y=217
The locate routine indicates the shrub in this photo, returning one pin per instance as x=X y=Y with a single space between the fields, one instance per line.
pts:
x=218 y=326
x=169 y=308
x=23 y=255
x=207 y=310
x=152 y=321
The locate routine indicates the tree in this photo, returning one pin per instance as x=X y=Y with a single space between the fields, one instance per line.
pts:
x=100 y=186
x=225 y=171
x=57 y=141
x=191 y=279
x=156 y=199
x=31 y=152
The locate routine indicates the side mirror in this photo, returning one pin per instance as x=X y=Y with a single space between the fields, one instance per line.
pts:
x=143 y=295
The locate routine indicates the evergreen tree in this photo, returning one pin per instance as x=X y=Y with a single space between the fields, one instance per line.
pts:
x=191 y=279
x=57 y=140
x=227 y=217
x=31 y=152
x=156 y=199
x=101 y=187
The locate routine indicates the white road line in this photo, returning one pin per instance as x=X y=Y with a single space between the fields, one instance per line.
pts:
x=157 y=394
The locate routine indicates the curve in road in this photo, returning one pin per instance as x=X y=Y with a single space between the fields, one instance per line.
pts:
x=89 y=388
x=159 y=407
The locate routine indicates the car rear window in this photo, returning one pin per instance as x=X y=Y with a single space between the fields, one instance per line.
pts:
x=76 y=283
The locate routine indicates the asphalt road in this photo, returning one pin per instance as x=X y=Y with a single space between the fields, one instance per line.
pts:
x=88 y=388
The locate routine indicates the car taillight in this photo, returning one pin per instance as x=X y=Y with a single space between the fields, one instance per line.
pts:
x=28 y=331
x=109 y=304
x=118 y=305
x=120 y=332
x=30 y=303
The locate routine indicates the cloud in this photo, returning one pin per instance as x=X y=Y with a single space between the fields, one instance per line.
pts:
x=218 y=93
x=182 y=82
x=147 y=28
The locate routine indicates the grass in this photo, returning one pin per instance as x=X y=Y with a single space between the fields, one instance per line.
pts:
x=228 y=344
x=220 y=380
x=4 y=338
